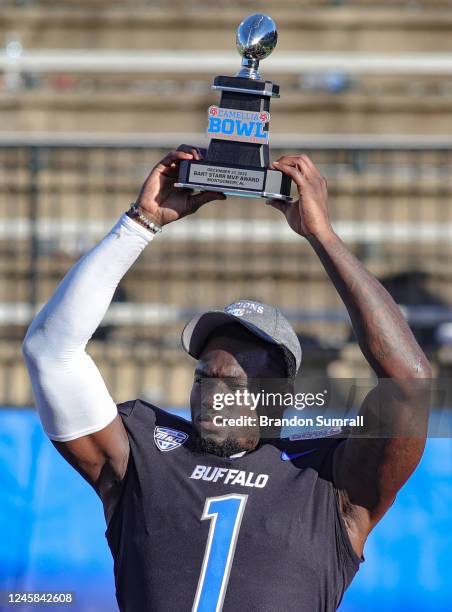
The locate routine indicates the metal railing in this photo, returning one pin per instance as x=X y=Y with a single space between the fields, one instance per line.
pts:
x=168 y=62
x=269 y=4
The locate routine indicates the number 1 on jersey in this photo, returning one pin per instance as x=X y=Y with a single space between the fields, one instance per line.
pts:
x=225 y=514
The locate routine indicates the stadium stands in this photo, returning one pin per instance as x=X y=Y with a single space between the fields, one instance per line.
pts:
x=81 y=133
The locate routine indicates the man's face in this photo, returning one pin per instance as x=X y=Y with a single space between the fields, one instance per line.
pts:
x=229 y=360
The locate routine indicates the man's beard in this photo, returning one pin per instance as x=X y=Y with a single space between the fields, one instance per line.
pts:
x=229 y=446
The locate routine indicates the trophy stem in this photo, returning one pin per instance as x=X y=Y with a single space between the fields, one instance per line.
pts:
x=250 y=69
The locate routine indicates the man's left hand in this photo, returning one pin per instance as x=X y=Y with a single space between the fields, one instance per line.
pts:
x=307 y=216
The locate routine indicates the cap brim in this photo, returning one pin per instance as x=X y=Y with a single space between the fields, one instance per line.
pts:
x=196 y=332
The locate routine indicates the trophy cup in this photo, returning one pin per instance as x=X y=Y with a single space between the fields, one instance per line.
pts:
x=236 y=162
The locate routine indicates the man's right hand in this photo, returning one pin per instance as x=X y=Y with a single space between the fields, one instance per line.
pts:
x=164 y=202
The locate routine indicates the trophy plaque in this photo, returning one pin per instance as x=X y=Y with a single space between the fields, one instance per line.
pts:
x=237 y=160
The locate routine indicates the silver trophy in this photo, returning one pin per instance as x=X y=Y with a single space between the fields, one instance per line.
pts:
x=237 y=160
x=256 y=38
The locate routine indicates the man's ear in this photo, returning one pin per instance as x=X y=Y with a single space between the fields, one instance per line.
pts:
x=290 y=386
x=278 y=386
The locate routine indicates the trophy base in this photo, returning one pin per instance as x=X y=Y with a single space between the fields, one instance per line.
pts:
x=237 y=192
x=242 y=181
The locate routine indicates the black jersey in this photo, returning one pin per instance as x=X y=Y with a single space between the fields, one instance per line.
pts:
x=197 y=532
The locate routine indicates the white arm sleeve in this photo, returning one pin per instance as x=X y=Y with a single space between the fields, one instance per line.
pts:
x=70 y=394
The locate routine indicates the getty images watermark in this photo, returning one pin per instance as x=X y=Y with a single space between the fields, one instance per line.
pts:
x=260 y=405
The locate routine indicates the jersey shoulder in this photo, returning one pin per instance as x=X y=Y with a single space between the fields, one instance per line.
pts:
x=140 y=412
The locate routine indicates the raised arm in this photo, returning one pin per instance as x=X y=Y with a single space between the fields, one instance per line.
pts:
x=75 y=407
x=368 y=471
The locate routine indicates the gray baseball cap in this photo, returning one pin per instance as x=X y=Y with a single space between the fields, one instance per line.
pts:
x=266 y=322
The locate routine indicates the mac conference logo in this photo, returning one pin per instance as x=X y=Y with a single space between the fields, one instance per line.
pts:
x=167 y=439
